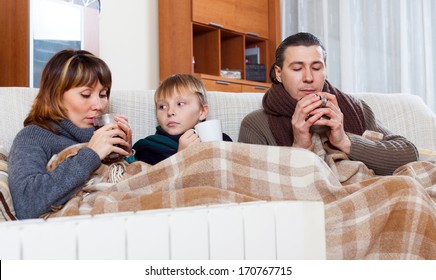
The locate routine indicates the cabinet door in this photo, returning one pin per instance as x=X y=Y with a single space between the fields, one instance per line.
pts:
x=220 y=12
x=248 y=16
x=252 y=17
x=250 y=88
x=218 y=85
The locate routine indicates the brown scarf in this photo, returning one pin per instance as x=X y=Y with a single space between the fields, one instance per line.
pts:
x=280 y=106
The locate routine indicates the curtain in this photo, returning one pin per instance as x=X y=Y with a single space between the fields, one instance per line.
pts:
x=386 y=46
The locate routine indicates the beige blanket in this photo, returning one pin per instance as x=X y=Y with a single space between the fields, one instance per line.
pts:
x=367 y=216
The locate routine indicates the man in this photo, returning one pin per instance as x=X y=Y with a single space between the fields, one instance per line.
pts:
x=301 y=99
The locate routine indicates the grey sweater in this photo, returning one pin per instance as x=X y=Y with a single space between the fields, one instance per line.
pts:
x=35 y=190
x=382 y=156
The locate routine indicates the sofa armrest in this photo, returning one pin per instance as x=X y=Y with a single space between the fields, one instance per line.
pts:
x=406 y=115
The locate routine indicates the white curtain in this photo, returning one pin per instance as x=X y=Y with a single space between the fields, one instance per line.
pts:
x=386 y=46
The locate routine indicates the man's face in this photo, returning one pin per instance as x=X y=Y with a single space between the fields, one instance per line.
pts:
x=303 y=71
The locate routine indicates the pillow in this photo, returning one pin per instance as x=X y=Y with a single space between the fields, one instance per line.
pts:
x=427 y=155
x=6 y=207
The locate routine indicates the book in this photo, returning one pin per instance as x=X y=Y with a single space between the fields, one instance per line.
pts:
x=256 y=72
x=252 y=55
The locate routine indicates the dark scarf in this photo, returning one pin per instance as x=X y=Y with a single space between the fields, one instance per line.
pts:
x=280 y=106
x=155 y=148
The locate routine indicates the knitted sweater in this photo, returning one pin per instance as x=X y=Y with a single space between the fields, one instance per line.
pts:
x=382 y=156
x=35 y=190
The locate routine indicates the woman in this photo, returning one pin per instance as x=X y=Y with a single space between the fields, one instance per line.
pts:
x=75 y=88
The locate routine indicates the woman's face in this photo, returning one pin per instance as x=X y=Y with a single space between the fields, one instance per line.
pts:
x=303 y=71
x=85 y=103
x=181 y=112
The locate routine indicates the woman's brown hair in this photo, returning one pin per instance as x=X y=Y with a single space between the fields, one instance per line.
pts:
x=67 y=69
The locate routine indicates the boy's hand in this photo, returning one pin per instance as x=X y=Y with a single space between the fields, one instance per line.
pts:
x=187 y=139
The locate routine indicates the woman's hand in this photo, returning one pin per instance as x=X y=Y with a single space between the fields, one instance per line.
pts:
x=105 y=139
x=187 y=139
x=123 y=124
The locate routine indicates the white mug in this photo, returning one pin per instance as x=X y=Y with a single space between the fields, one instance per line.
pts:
x=209 y=130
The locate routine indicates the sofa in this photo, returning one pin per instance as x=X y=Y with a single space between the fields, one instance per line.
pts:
x=303 y=221
x=404 y=114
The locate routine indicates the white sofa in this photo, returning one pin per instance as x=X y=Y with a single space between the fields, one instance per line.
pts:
x=404 y=114
x=165 y=237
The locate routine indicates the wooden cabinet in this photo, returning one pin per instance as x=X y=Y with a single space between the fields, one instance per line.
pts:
x=203 y=37
x=14 y=43
x=247 y=17
x=215 y=83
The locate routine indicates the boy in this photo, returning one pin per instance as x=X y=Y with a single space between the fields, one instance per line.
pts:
x=180 y=104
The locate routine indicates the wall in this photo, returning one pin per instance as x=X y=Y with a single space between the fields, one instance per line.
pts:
x=129 y=42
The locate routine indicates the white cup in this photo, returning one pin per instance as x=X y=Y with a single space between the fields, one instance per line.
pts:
x=209 y=130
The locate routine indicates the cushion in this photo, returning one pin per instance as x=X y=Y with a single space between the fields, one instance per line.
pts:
x=7 y=212
x=139 y=107
x=406 y=115
x=427 y=155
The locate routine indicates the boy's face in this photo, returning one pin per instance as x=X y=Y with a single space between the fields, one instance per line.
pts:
x=181 y=112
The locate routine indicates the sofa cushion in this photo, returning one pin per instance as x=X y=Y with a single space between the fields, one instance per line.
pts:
x=406 y=115
x=7 y=212
x=231 y=108
x=15 y=103
x=139 y=107
x=427 y=155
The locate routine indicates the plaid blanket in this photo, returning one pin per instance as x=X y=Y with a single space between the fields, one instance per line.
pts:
x=367 y=216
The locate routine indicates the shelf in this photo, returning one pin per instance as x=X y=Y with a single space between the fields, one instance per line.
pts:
x=215 y=49
x=216 y=83
x=205 y=37
x=206 y=53
x=232 y=49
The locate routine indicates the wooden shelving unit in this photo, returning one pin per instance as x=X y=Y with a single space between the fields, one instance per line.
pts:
x=14 y=43
x=202 y=37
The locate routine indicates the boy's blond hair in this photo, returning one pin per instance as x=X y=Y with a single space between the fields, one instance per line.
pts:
x=177 y=83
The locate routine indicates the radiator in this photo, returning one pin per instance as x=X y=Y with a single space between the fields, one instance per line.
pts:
x=252 y=231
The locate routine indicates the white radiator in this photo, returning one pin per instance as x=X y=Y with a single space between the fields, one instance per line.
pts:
x=260 y=230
